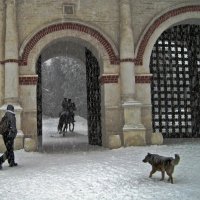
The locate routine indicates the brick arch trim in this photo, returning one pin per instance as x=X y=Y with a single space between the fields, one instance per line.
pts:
x=156 y=23
x=114 y=59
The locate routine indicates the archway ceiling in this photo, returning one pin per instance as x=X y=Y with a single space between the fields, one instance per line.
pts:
x=64 y=48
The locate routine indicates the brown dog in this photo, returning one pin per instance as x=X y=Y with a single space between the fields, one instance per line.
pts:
x=163 y=164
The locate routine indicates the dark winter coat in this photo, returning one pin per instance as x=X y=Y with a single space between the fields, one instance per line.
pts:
x=12 y=124
x=65 y=104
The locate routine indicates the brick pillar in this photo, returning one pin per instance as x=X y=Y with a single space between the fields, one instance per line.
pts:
x=133 y=130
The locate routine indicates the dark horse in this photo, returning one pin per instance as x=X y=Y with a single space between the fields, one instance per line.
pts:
x=65 y=121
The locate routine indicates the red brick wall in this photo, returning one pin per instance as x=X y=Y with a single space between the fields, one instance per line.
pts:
x=143 y=79
x=72 y=26
x=32 y=80
x=28 y=80
x=114 y=79
x=109 y=79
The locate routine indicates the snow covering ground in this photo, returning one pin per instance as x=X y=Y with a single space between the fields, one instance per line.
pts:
x=72 y=141
x=101 y=174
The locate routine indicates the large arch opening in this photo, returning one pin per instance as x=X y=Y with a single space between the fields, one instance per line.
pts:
x=69 y=68
x=175 y=93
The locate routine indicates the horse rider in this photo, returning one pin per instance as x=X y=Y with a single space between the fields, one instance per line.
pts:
x=69 y=106
x=65 y=104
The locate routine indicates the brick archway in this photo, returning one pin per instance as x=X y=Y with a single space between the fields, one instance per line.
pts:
x=108 y=46
x=156 y=23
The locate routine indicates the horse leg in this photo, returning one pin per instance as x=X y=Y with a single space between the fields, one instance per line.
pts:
x=71 y=126
x=59 y=127
x=63 y=128
x=66 y=126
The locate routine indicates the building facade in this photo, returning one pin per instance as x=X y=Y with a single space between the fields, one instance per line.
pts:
x=120 y=34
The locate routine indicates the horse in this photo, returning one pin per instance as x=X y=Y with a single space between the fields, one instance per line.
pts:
x=65 y=121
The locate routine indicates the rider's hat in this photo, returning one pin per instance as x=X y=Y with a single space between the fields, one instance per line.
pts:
x=10 y=107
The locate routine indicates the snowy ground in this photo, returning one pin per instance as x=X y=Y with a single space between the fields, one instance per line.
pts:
x=101 y=174
x=72 y=141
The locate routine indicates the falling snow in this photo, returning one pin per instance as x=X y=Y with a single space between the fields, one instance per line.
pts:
x=90 y=173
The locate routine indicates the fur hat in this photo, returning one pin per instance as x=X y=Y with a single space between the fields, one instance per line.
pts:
x=10 y=107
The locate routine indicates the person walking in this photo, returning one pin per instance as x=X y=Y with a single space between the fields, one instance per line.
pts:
x=9 y=137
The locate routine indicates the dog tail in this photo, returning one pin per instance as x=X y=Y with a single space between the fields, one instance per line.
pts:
x=176 y=160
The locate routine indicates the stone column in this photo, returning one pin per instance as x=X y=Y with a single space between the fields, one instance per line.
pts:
x=11 y=61
x=11 y=54
x=133 y=130
x=127 y=75
x=2 y=33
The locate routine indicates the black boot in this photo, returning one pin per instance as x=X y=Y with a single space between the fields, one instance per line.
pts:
x=1 y=162
x=13 y=164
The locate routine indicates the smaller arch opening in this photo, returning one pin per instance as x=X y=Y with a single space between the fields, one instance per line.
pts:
x=68 y=69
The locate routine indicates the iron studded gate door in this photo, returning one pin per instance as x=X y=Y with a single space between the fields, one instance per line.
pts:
x=175 y=65
x=39 y=96
x=93 y=99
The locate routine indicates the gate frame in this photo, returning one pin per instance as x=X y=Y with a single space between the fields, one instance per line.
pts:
x=91 y=37
x=169 y=17
x=160 y=23
x=184 y=131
